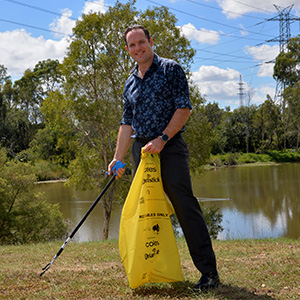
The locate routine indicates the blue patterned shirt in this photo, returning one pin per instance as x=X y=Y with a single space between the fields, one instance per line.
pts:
x=150 y=103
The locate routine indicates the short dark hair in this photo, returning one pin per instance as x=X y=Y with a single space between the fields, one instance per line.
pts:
x=136 y=27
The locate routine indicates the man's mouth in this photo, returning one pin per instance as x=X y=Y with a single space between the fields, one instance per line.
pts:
x=140 y=53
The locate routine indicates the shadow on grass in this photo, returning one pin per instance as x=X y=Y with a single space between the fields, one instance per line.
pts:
x=184 y=290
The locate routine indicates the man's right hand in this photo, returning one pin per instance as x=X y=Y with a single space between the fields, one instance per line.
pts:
x=116 y=167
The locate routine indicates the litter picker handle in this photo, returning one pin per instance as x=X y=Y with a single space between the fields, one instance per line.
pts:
x=92 y=207
x=47 y=267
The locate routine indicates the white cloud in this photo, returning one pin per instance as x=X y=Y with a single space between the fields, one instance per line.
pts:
x=261 y=93
x=222 y=86
x=202 y=36
x=63 y=24
x=265 y=54
x=217 y=84
x=94 y=6
x=27 y=51
x=233 y=9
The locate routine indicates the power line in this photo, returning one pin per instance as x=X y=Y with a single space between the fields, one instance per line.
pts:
x=34 y=27
x=251 y=6
x=95 y=3
x=222 y=10
x=207 y=20
x=224 y=34
x=237 y=38
x=37 y=8
x=223 y=54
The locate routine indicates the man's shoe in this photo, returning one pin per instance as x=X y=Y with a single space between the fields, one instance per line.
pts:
x=207 y=281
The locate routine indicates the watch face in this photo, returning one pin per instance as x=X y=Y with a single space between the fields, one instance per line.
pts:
x=165 y=138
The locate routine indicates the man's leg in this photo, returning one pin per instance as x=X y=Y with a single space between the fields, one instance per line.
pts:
x=177 y=185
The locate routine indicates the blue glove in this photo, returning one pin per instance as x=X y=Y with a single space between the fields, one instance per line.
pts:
x=118 y=165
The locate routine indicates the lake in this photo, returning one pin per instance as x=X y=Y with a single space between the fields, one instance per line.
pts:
x=255 y=201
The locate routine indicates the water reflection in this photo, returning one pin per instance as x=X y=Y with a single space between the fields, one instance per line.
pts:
x=74 y=205
x=264 y=200
x=256 y=202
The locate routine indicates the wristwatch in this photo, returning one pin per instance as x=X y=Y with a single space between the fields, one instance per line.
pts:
x=164 y=137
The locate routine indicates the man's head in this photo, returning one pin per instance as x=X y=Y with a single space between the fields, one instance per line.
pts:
x=135 y=27
x=139 y=45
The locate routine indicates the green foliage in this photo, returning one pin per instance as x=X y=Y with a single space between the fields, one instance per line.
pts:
x=247 y=158
x=286 y=67
x=286 y=156
x=24 y=215
x=231 y=159
x=47 y=170
x=199 y=133
x=49 y=75
x=292 y=98
x=213 y=219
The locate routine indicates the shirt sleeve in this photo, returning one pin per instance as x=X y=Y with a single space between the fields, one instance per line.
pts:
x=127 y=112
x=180 y=88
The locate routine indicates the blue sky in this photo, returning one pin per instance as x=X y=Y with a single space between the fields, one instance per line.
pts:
x=232 y=38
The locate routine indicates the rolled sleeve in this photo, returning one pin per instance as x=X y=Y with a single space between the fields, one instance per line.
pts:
x=180 y=88
x=127 y=112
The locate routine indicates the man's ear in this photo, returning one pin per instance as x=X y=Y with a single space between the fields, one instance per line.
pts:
x=151 y=41
x=127 y=48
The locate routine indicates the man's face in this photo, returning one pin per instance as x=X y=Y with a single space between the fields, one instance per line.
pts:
x=139 y=47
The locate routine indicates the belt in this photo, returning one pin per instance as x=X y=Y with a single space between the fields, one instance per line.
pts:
x=145 y=140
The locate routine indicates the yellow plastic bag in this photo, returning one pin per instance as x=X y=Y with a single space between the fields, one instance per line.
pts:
x=147 y=243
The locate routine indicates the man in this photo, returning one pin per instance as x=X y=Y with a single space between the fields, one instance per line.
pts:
x=156 y=107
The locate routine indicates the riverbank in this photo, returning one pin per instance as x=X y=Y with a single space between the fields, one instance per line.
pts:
x=249 y=270
x=237 y=159
x=48 y=172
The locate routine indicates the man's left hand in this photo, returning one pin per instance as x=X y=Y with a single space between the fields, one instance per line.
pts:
x=155 y=146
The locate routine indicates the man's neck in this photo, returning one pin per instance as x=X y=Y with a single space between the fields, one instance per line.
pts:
x=142 y=68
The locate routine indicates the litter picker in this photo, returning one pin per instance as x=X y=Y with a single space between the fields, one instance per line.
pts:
x=118 y=165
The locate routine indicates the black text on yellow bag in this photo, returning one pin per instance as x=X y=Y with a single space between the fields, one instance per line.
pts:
x=147 y=243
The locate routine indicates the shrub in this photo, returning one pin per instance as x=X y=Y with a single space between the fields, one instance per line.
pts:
x=213 y=219
x=24 y=215
x=46 y=170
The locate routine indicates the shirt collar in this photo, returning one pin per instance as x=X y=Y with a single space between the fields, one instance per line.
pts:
x=135 y=70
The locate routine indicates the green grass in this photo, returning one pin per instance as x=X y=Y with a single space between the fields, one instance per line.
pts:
x=249 y=269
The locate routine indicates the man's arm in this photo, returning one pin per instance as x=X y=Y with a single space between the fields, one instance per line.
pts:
x=123 y=143
x=176 y=123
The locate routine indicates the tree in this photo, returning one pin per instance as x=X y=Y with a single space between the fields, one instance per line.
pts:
x=95 y=69
x=234 y=128
x=287 y=71
x=199 y=133
x=28 y=96
x=3 y=75
x=215 y=116
x=287 y=63
x=49 y=75
x=267 y=126
x=24 y=215
x=291 y=94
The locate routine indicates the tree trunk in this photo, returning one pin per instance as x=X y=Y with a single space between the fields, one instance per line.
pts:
x=298 y=138
x=107 y=208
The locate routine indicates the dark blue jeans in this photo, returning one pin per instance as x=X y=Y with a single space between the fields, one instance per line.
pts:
x=176 y=179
